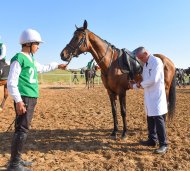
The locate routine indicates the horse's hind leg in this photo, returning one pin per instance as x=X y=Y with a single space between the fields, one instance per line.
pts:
x=114 y=113
x=5 y=97
x=92 y=82
x=88 y=84
x=122 y=100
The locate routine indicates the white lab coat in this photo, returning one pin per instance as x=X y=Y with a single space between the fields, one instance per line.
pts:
x=154 y=88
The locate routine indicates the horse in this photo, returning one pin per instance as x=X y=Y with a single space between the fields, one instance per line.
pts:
x=82 y=72
x=180 y=75
x=115 y=81
x=187 y=71
x=4 y=83
x=4 y=71
x=89 y=77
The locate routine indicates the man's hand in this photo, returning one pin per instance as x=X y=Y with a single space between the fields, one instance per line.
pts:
x=62 y=66
x=20 y=108
x=130 y=86
x=138 y=85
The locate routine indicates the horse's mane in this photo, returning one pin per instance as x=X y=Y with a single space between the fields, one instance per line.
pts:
x=82 y=29
x=113 y=46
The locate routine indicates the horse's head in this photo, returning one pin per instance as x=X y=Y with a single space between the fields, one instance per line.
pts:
x=77 y=45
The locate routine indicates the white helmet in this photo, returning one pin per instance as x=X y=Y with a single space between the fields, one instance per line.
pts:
x=30 y=36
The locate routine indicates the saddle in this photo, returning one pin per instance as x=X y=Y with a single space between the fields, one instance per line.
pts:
x=128 y=63
x=4 y=70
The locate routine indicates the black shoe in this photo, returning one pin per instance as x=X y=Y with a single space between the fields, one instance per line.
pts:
x=17 y=168
x=148 y=143
x=161 y=150
x=16 y=150
x=25 y=163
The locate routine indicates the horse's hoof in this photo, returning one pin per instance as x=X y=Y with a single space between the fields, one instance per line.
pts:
x=124 y=136
x=113 y=135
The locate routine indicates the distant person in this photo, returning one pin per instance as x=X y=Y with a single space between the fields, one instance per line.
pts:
x=90 y=64
x=82 y=71
x=75 y=79
x=23 y=87
x=154 y=99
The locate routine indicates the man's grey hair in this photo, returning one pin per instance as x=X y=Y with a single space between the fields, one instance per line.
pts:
x=139 y=50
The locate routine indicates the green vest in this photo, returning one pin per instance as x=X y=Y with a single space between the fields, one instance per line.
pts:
x=90 y=64
x=28 y=78
x=1 y=44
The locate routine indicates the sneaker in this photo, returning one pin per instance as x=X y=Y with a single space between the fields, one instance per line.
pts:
x=161 y=150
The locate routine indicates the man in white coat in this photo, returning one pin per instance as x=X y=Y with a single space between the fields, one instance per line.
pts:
x=154 y=98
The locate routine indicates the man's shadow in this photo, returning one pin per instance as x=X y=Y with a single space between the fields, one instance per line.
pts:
x=74 y=139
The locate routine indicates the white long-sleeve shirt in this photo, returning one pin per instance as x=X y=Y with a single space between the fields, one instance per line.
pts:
x=15 y=70
x=154 y=87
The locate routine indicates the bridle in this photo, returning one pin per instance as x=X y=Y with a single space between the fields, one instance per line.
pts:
x=74 y=50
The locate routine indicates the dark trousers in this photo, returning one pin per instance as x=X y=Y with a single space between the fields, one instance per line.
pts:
x=22 y=123
x=157 y=129
x=22 y=126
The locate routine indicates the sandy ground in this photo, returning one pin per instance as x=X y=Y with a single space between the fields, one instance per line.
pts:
x=71 y=127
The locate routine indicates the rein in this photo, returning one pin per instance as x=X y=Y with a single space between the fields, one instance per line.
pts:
x=102 y=58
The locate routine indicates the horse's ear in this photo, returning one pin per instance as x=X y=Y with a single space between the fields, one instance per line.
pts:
x=85 y=25
x=76 y=26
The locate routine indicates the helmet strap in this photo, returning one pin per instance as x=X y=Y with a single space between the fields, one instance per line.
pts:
x=30 y=46
x=31 y=49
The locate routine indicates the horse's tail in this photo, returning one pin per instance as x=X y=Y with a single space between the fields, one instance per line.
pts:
x=172 y=99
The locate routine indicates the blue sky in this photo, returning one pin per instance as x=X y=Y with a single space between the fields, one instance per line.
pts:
x=162 y=26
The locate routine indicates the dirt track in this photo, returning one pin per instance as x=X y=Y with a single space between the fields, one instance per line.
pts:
x=71 y=128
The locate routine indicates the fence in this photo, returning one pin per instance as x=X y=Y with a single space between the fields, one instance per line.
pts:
x=66 y=79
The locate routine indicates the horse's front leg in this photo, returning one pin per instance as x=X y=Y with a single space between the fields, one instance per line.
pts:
x=5 y=97
x=122 y=100
x=114 y=113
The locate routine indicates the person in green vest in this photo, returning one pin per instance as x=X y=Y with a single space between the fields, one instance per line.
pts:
x=23 y=87
x=90 y=64
x=2 y=56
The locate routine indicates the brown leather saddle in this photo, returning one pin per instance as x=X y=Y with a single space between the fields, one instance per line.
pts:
x=128 y=63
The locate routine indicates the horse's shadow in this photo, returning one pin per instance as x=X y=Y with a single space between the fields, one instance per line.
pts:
x=183 y=91
x=80 y=140
x=57 y=88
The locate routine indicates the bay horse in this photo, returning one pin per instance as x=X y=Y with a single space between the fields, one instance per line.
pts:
x=4 y=83
x=116 y=82
x=180 y=77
